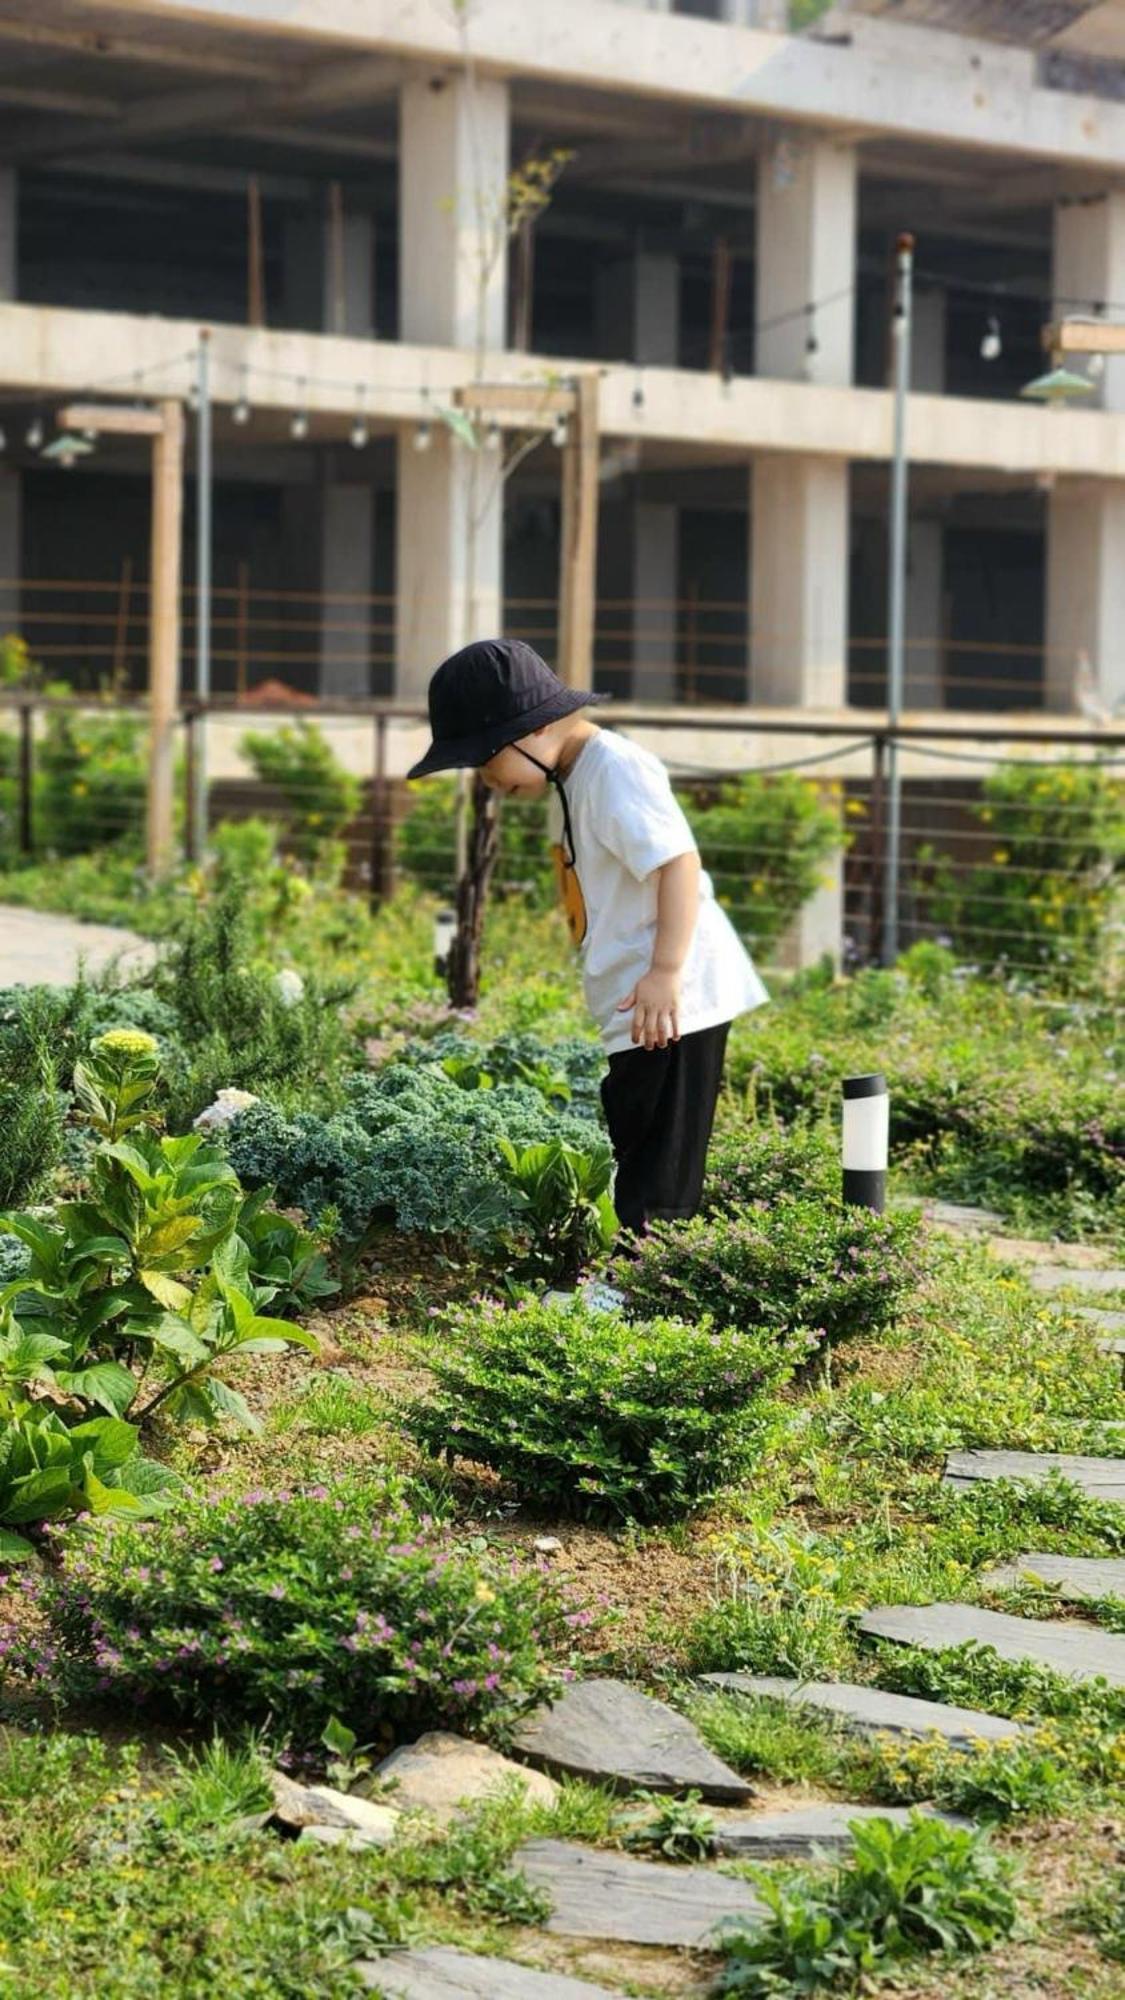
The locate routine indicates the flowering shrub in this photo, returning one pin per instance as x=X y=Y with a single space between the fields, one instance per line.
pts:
x=842 y=1271
x=286 y=1609
x=587 y=1414
x=766 y=1161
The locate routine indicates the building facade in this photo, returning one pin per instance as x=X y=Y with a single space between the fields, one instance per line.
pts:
x=329 y=190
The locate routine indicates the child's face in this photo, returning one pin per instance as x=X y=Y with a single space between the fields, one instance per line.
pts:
x=512 y=775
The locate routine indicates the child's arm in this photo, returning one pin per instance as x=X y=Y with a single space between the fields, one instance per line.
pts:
x=655 y=999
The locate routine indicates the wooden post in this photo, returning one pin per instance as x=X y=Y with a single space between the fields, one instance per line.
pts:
x=164 y=628
x=256 y=281
x=338 y=314
x=578 y=569
x=121 y=627
x=241 y=624
x=720 y=305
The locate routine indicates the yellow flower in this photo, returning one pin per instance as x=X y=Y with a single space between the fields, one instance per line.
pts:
x=127 y=1041
x=484 y=1595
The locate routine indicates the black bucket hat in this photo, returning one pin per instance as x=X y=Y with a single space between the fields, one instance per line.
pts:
x=489 y=694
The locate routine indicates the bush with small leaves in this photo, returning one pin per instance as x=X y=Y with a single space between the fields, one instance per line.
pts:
x=587 y=1414
x=286 y=1609
x=843 y=1271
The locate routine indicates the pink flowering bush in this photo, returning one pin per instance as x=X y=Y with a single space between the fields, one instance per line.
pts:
x=586 y=1414
x=285 y=1609
x=792 y=1263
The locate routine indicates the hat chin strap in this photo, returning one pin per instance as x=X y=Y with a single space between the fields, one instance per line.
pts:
x=553 y=778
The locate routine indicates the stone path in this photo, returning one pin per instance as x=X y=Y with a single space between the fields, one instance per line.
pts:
x=438 y=1972
x=609 y=1732
x=1102 y=1478
x=869 y=1712
x=1054 y=1277
x=1082 y=1651
x=39 y=948
x=1103 y=1317
x=600 y=1895
x=798 y=1834
x=1077 y=1579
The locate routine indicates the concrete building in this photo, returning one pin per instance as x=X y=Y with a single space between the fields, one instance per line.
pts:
x=327 y=187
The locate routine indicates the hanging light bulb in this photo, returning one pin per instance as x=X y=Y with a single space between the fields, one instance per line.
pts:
x=991 y=347
x=492 y=438
x=558 y=432
x=424 y=435
x=1095 y=367
x=358 y=434
x=241 y=411
x=34 y=434
x=299 y=421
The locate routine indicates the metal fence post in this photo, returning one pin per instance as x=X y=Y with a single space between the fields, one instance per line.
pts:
x=382 y=846
x=26 y=780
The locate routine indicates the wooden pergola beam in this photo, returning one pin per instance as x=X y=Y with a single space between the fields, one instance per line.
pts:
x=111 y=418
x=1084 y=336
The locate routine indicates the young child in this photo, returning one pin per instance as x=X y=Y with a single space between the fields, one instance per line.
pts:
x=663 y=970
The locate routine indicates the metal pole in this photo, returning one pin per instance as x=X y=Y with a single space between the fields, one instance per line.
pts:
x=198 y=801
x=896 y=587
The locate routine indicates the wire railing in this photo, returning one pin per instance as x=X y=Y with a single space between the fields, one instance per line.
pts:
x=1013 y=845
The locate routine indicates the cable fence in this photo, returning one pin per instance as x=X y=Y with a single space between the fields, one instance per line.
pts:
x=1012 y=854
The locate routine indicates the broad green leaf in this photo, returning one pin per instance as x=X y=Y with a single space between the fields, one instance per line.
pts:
x=128 y=1157
x=103 y=1499
x=110 y=1440
x=168 y=1237
x=176 y=1337
x=168 y=1290
x=13 y=1548
x=106 y=1383
x=226 y=1402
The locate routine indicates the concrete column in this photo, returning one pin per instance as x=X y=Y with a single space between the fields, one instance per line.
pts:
x=656 y=564
x=1089 y=269
x=637 y=309
x=925 y=615
x=11 y=548
x=1085 y=592
x=453 y=234
x=806 y=253
x=927 y=342
x=9 y=267
x=798 y=581
x=347 y=580
x=799 y=630
x=453 y=179
x=353 y=313
x=1086 y=520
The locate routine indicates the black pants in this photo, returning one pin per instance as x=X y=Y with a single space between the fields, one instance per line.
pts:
x=660 y=1106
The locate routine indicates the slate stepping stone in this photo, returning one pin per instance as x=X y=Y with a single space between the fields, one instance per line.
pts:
x=438 y=1972
x=1082 y=1651
x=1076 y=1578
x=1103 y=1317
x=768 y=1836
x=1115 y=1346
x=869 y=1712
x=598 y=1895
x=1054 y=1277
x=1103 y=1478
x=958 y=1215
x=613 y=1734
x=439 y=1772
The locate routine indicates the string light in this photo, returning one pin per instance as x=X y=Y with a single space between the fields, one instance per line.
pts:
x=241 y=411
x=358 y=434
x=559 y=431
x=1095 y=367
x=423 y=435
x=992 y=346
x=33 y=437
x=299 y=421
x=492 y=438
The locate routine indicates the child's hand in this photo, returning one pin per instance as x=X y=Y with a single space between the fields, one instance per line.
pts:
x=655 y=1001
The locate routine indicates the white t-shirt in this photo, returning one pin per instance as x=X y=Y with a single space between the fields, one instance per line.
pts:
x=627 y=824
